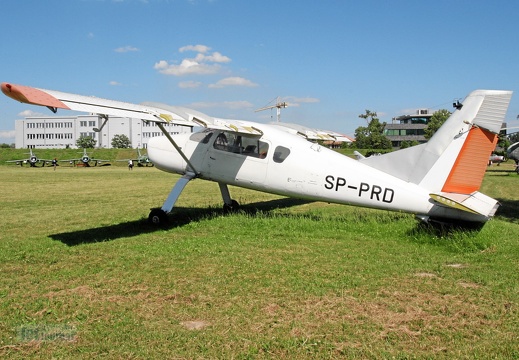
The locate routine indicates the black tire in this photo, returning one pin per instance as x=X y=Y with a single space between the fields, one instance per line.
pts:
x=232 y=207
x=158 y=217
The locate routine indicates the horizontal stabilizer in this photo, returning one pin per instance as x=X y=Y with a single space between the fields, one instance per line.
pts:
x=476 y=203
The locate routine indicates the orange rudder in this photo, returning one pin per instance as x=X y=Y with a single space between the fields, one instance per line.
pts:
x=469 y=168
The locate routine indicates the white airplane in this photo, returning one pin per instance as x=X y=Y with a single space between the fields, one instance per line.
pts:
x=437 y=181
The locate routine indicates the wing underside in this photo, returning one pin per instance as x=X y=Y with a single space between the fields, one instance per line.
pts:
x=154 y=112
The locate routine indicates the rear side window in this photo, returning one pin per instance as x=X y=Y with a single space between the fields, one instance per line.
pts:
x=280 y=154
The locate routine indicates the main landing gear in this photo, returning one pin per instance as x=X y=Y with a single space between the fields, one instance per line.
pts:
x=159 y=216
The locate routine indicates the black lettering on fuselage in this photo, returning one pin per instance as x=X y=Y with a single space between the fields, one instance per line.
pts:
x=331 y=183
x=388 y=195
x=375 y=192
x=363 y=188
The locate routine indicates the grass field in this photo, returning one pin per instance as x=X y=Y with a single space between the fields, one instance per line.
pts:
x=84 y=276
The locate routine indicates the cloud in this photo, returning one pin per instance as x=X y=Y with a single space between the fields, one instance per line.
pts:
x=186 y=67
x=204 y=62
x=214 y=57
x=125 y=49
x=115 y=83
x=233 y=81
x=28 y=113
x=197 y=48
x=7 y=134
x=226 y=104
x=297 y=101
x=189 y=84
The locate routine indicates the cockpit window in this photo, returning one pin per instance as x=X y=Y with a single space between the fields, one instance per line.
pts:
x=241 y=144
x=280 y=154
x=202 y=136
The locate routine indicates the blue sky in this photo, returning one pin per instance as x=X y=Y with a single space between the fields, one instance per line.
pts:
x=329 y=59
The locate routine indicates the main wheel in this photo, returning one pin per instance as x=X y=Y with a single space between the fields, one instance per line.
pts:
x=158 y=217
x=232 y=207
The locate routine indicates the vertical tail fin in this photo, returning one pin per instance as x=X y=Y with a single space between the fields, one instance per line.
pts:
x=455 y=158
x=464 y=143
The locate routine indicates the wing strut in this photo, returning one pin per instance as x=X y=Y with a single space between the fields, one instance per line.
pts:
x=161 y=127
x=101 y=116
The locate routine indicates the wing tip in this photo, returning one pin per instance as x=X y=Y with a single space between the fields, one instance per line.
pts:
x=30 y=95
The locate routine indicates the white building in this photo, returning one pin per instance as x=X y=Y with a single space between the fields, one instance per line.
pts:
x=64 y=131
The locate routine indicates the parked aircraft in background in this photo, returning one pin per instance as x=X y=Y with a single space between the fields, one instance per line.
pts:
x=140 y=160
x=437 y=181
x=32 y=160
x=513 y=153
x=85 y=160
x=495 y=159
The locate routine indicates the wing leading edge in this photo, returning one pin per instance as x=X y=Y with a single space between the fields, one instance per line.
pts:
x=159 y=113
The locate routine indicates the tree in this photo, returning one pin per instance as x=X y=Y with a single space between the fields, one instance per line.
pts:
x=371 y=136
x=514 y=137
x=86 y=142
x=120 y=142
x=408 y=143
x=436 y=120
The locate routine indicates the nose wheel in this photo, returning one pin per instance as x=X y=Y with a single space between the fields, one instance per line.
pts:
x=158 y=217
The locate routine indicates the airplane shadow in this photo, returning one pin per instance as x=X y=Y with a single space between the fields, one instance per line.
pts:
x=509 y=210
x=179 y=217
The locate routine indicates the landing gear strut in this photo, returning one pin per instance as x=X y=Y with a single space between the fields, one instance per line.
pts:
x=229 y=205
x=160 y=216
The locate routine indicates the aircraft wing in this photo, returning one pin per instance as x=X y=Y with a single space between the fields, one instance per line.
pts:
x=306 y=132
x=155 y=112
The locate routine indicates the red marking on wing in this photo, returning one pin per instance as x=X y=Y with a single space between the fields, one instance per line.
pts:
x=31 y=95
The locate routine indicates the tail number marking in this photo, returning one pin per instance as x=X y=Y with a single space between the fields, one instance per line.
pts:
x=374 y=192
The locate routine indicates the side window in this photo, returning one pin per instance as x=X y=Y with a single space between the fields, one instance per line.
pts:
x=241 y=144
x=280 y=154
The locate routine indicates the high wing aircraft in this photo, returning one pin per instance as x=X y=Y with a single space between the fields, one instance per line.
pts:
x=32 y=160
x=85 y=160
x=140 y=160
x=437 y=181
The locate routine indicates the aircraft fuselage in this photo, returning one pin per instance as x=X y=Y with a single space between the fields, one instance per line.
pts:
x=282 y=163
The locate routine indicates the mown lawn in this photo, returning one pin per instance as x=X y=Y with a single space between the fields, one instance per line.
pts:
x=84 y=276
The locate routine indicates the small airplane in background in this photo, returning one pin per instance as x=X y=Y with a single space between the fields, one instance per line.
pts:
x=495 y=159
x=141 y=160
x=32 y=160
x=513 y=153
x=437 y=181
x=85 y=160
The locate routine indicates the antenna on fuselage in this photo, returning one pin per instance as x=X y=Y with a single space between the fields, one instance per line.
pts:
x=278 y=107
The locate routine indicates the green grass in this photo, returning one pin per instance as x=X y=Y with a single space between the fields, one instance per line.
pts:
x=85 y=276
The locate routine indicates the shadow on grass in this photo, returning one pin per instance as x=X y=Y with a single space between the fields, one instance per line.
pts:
x=509 y=210
x=179 y=217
